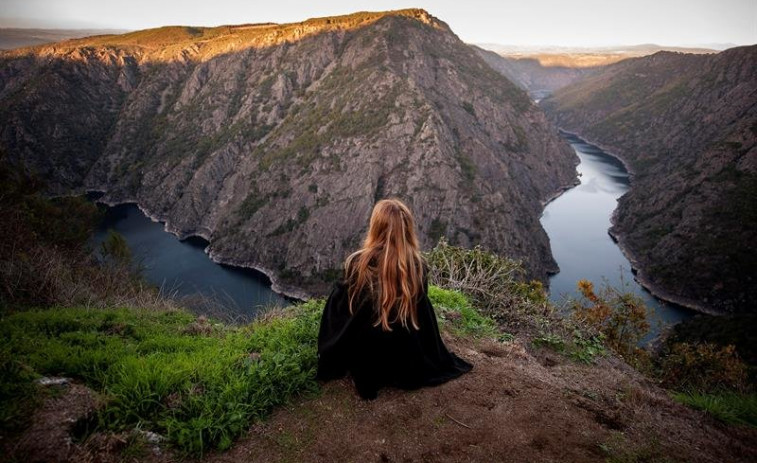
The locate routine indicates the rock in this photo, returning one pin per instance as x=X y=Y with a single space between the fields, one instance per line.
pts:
x=274 y=142
x=152 y=437
x=53 y=381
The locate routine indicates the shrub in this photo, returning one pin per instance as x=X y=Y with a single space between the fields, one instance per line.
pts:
x=702 y=367
x=493 y=283
x=45 y=259
x=620 y=317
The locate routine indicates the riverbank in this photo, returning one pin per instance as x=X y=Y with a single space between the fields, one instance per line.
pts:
x=653 y=289
x=290 y=292
x=636 y=268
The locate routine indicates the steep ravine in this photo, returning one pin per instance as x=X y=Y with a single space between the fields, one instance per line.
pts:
x=273 y=141
x=686 y=125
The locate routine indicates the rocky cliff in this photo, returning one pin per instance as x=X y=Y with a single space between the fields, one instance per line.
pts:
x=687 y=127
x=274 y=141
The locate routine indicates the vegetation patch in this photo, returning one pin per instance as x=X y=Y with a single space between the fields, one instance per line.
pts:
x=199 y=388
x=732 y=408
x=455 y=311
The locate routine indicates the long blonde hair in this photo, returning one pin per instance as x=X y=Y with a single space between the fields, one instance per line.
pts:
x=389 y=265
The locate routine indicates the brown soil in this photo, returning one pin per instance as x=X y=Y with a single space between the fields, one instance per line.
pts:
x=48 y=437
x=515 y=406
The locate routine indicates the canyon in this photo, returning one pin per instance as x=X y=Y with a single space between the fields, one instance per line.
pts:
x=273 y=141
x=686 y=127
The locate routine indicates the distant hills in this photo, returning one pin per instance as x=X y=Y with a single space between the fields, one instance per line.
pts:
x=542 y=70
x=274 y=141
x=11 y=38
x=686 y=125
x=629 y=50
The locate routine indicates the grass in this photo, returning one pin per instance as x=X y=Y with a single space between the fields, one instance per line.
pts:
x=198 y=383
x=199 y=390
x=730 y=407
x=455 y=312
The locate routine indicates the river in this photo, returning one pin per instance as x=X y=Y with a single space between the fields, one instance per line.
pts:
x=577 y=223
x=182 y=269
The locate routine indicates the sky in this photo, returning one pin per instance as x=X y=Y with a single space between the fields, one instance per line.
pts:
x=525 y=22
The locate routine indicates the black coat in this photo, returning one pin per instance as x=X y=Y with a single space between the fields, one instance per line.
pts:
x=404 y=357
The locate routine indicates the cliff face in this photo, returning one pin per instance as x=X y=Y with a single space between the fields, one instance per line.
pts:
x=687 y=127
x=274 y=141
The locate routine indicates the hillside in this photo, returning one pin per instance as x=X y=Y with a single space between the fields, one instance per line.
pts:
x=686 y=125
x=542 y=70
x=98 y=367
x=520 y=403
x=541 y=78
x=273 y=141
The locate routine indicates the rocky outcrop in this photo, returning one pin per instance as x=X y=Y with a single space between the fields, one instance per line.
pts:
x=687 y=127
x=274 y=141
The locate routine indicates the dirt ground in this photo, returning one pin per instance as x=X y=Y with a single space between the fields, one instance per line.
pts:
x=515 y=406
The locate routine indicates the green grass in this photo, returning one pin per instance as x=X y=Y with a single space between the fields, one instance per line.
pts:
x=454 y=311
x=199 y=390
x=579 y=347
x=586 y=348
x=730 y=407
x=198 y=383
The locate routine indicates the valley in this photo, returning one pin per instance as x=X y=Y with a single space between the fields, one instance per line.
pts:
x=272 y=142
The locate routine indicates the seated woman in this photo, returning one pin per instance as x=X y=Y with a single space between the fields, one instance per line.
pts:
x=378 y=324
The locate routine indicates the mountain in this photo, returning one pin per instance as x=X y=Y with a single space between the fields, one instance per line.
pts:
x=274 y=141
x=686 y=125
x=542 y=70
x=538 y=79
x=628 y=50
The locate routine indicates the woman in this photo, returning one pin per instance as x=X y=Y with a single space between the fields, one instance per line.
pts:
x=378 y=324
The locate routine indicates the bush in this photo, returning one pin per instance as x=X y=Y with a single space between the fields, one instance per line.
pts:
x=702 y=367
x=493 y=283
x=619 y=316
x=45 y=259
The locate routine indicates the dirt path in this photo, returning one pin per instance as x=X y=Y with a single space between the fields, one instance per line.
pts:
x=513 y=407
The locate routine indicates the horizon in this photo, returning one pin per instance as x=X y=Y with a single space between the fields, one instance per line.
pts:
x=541 y=23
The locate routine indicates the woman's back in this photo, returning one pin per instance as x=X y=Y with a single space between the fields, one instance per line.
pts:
x=378 y=324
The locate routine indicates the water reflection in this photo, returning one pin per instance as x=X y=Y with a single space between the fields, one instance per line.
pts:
x=183 y=269
x=577 y=224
